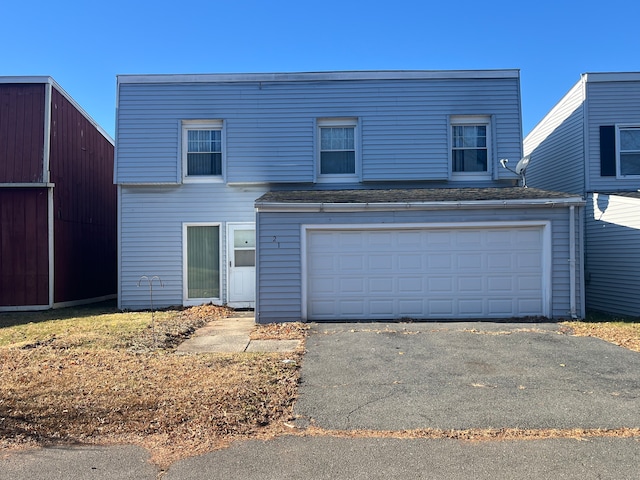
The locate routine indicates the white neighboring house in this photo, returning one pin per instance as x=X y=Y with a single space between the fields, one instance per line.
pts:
x=589 y=144
x=339 y=196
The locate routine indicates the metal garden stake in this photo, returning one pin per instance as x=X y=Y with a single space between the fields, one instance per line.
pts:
x=150 y=281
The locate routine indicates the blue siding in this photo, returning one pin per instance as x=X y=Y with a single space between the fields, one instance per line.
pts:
x=270 y=126
x=612 y=247
x=609 y=103
x=556 y=146
x=151 y=220
x=280 y=262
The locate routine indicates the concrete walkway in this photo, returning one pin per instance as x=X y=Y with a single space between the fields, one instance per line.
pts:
x=231 y=335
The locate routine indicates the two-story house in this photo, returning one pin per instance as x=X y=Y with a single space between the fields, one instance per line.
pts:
x=589 y=144
x=58 y=240
x=339 y=196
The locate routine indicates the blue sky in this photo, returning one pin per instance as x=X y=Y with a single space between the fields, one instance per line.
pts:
x=84 y=45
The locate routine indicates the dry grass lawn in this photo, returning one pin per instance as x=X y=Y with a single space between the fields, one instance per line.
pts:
x=93 y=375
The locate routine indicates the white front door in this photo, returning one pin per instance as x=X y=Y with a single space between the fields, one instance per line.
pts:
x=242 y=265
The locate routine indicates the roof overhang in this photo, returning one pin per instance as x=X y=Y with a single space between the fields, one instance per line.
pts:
x=435 y=199
x=320 y=76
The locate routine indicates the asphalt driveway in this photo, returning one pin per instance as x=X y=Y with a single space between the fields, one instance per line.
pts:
x=395 y=376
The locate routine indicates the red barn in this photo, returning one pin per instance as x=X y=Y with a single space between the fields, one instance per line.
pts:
x=58 y=243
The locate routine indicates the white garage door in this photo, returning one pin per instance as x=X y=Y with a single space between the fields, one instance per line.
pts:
x=423 y=273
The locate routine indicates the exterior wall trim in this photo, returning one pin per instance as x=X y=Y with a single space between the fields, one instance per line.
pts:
x=50 y=240
x=46 y=152
x=546 y=247
x=27 y=185
x=319 y=76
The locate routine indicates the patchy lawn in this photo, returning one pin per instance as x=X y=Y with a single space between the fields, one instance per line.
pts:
x=622 y=331
x=95 y=375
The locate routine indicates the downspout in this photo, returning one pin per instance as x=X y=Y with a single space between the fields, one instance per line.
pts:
x=572 y=261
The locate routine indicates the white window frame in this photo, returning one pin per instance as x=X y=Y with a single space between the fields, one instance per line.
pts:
x=186 y=301
x=471 y=120
x=188 y=125
x=339 y=177
x=619 y=127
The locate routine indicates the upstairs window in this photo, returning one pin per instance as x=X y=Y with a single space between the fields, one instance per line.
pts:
x=629 y=150
x=203 y=150
x=470 y=140
x=338 y=153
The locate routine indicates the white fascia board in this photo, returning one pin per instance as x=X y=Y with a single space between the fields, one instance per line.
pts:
x=319 y=76
x=397 y=206
x=27 y=79
x=27 y=185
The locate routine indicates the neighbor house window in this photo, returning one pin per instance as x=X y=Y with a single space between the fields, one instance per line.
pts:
x=201 y=262
x=629 y=150
x=470 y=140
x=338 y=149
x=203 y=150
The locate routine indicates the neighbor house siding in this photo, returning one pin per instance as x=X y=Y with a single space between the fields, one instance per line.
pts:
x=152 y=219
x=22 y=123
x=280 y=268
x=613 y=254
x=609 y=103
x=556 y=146
x=270 y=126
x=84 y=205
x=24 y=247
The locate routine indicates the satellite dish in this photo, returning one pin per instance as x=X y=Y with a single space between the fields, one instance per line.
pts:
x=522 y=165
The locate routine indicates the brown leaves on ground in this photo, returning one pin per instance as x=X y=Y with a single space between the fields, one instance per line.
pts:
x=624 y=334
x=169 y=331
x=479 y=434
x=176 y=406
x=280 y=331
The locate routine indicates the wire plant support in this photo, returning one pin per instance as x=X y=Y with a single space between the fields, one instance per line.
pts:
x=153 y=321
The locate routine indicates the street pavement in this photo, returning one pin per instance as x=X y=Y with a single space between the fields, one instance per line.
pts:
x=396 y=376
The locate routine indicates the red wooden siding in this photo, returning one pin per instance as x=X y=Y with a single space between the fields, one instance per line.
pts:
x=24 y=258
x=21 y=132
x=85 y=245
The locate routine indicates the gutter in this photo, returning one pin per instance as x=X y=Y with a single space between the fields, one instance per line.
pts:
x=395 y=206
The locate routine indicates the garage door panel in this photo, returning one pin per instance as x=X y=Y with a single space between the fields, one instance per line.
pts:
x=500 y=284
x=469 y=261
x=322 y=285
x=380 y=262
x=440 y=285
x=502 y=306
x=411 y=284
x=410 y=308
x=423 y=273
x=352 y=285
x=381 y=285
x=441 y=308
x=472 y=307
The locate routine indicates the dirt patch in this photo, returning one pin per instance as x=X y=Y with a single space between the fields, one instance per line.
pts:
x=280 y=331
